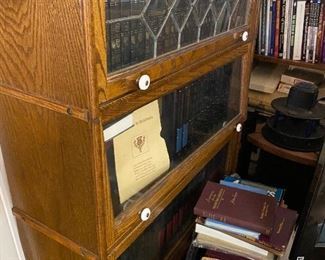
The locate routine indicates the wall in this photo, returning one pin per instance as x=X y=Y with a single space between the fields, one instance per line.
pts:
x=10 y=247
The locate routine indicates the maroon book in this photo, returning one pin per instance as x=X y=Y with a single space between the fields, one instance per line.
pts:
x=223 y=255
x=237 y=207
x=285 y=221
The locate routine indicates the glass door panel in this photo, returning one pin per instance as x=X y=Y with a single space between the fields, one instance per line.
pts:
x=160 y=237
x=139 y=30
x=147 y=144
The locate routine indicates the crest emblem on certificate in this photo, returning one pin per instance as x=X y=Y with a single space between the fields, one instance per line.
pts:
x=140 y=145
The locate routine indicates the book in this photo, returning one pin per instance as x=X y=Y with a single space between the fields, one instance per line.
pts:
x=237 y=207
x=115 y=57
x=287 y=29
x=263 y=22
x=216 y=240
x=295 y=75
x=272 y=27
x=268 y=27
x=282 y=28
x=285 y=221
x=257 y=187
x=125 y=43
x=265 y=77
x=284 y=88
x=278 y=240
x=209 y=222
x=305 y=32
x=217 y=254
x=277 y=28
x=322 y=38
x=312 y=31
x=323 y=43
x=319 y=34
x=299 y=30
x=293 y=28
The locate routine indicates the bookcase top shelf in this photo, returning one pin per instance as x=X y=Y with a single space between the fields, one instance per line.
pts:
x=317 y=66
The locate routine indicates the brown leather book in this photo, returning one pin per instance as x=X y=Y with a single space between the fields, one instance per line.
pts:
x=238 y=207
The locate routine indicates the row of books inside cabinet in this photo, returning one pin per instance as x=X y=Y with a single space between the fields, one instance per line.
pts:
x=145 y=145
x=240 y=219
x=292 y=29
x=138 y=30
x=169 y=227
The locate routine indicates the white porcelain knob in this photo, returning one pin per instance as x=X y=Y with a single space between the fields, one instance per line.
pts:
x=244 y=36
x=145 y=214
x=144 y=82
x=239 y=127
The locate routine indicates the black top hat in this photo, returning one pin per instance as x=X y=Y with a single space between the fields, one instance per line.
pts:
x=301 y=102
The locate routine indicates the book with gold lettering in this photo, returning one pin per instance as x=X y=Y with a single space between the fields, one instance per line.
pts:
x=277 y=241
x=237 y=207
x=285 y=221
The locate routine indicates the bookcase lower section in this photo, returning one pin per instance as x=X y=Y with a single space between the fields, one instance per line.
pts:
x=160 y=239
x=46 y=248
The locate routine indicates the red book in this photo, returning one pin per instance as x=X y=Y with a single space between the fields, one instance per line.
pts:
x=277 y=28
x=237 y=207
x=223 y=255
x=285 y=221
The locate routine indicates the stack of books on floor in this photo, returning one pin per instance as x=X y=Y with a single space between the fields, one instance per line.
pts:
x=238 y=219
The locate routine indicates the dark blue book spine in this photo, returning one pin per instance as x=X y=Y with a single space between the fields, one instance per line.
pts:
x=272 y=42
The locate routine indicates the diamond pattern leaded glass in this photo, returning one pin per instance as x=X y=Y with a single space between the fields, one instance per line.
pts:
x=139 y=30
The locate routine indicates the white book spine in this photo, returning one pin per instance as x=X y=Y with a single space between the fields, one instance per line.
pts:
x=287 y=22
x=299 y=32
x=314 y=44
x=199 y=228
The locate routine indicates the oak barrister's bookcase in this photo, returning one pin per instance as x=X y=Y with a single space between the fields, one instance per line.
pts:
x=70 y=74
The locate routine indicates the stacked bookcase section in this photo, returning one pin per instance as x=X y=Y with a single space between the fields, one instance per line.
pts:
x=110 y=114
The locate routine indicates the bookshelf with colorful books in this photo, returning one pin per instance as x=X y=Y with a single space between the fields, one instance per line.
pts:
x=109 y=109
x=292 y=32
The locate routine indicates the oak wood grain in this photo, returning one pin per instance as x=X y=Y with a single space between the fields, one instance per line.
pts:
x=75 y=112
x=49 y=168
x=42 y=49
x=168 y=84
x=52 y=234
x=36 y=246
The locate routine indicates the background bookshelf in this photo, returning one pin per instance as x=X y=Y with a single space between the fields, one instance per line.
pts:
x=291 y=32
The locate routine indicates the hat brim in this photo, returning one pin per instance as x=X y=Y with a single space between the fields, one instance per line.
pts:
x=316 y=113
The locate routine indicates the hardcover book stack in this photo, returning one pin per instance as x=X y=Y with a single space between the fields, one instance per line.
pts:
x=292 y=29
x=239 y=219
